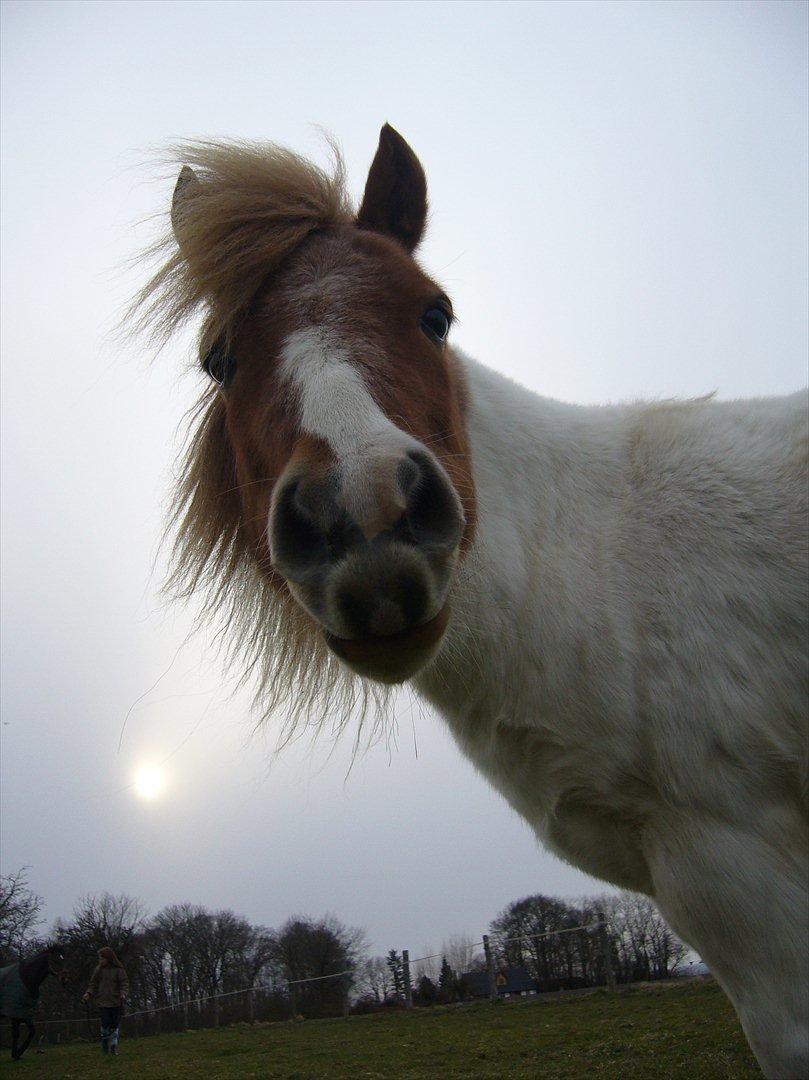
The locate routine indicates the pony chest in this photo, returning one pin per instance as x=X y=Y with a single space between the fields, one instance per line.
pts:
x=585 y=805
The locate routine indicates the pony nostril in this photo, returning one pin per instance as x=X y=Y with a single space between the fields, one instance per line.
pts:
x=297 y=540
x=433 y=514
x=308 y=529
x=407 y=474
x=311 y=528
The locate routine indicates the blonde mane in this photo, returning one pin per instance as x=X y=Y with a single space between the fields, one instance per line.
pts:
x=245 y=207
x=251 y=206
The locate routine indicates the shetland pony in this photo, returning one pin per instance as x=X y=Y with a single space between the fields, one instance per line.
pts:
x=608 y=606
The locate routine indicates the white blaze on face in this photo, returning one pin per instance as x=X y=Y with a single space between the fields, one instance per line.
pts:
x=335 y=406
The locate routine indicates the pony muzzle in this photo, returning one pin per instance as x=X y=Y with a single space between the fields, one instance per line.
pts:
x=371 y=563
x=382 y=609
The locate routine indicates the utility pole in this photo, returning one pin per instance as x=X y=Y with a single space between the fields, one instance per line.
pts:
x=408 y=989
x=487 y=952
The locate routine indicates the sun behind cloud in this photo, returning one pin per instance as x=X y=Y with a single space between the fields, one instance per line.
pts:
x=150 y=781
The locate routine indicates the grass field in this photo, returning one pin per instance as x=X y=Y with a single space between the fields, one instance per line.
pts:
x=680 y=1030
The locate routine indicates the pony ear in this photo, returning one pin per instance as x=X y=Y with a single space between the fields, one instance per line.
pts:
x=395 y=199
x=184 y=190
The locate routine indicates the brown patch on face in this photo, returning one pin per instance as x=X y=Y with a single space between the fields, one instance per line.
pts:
x=262 y=429
x=312 y=456
x=462 y=479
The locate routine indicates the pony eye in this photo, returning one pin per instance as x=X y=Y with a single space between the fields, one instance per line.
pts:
x=435 y=323
x=219 y=364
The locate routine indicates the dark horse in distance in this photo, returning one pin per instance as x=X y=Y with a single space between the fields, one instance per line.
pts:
x=19 y=992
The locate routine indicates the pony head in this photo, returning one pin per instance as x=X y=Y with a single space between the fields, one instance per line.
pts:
x=327 y=496
x=55 y=955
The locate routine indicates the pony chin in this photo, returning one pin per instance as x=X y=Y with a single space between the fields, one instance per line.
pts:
x=394 y=658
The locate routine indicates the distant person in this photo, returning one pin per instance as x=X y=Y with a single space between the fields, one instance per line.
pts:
x=110 y=987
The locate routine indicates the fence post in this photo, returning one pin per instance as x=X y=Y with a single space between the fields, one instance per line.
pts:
x=185 y=1015
x=251 y=1006
x=604 y=948
x=487 y=952
x=216 y=1012
x=293 y=999
x=346 y=987
x=408 y=988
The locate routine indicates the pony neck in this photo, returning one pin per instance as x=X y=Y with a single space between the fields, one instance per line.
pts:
x=34 y=971
x=544 y=474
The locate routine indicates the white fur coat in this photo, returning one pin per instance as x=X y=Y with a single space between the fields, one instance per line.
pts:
x=627 y=663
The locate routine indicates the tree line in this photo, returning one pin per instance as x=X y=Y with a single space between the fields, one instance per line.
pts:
x=185 y=955
x=538 y=935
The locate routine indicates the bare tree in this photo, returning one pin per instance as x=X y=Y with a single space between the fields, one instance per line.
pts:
x=429 y=967
x=374 y=978
x=311 y=949
x=526 y=933
x=230 y=952
x=169 y=951
x=461 y=952
x=116 y=921
x=104 y=920
x=188 y=952
x=644 y=945
x=20 y=909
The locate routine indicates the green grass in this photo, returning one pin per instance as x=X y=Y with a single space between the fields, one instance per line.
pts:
x=681 y=1030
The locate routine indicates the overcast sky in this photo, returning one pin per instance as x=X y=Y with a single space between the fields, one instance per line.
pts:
x=619 y=203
